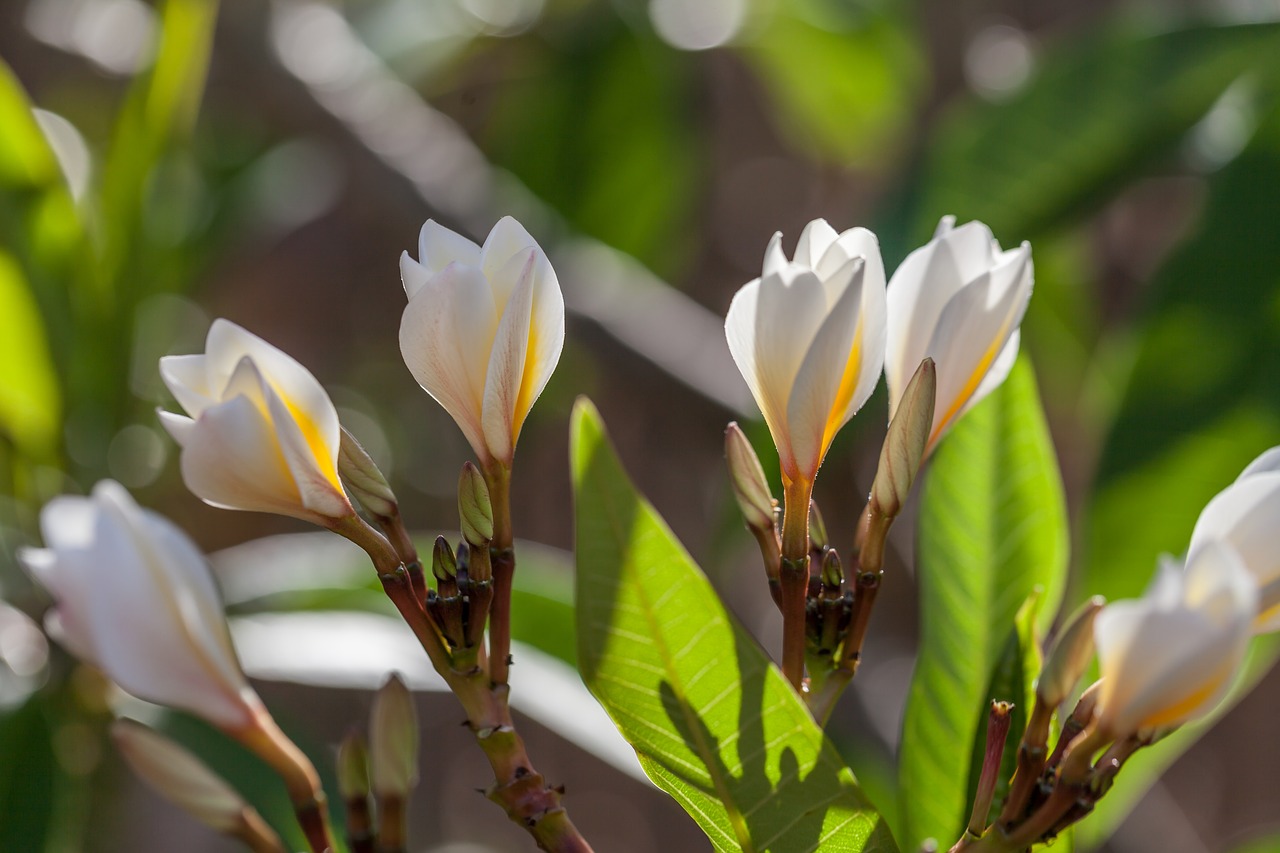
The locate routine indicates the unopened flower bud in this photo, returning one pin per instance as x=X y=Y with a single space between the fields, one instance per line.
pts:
x=474 y=508
x=904 y=445
x=1069 y=655
x=180 y=777
x=353 y=767
x=443 y=563
x=832 y=573
x=750 y=487
x=365 y=482
x=393 y=740
x=817 y=527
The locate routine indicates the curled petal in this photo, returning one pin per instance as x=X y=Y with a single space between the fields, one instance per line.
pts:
x=507 y=364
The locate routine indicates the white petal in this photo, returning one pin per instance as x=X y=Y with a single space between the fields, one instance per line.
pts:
x=438 y=247
x=312 y=464
x=228 y=344
x=770 y=325
x=546 y=338
x=775 y=260
x=187 y=379
x=445 y=336
x=971 y=334
x=815 y=240
x=1267 y=463
x=1246 y=515
x=233 y=460
x=829 y=372
x=68 y=619
x=412 y=275
x=507 y=362
x=971 y=249
x=507 y=240
x=178 y=426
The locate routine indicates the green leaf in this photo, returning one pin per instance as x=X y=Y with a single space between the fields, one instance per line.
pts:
x=993 y=528
x=1039 y=158
x=28 y=776
x=844 y=90
x=30 y=399
x=713 y=722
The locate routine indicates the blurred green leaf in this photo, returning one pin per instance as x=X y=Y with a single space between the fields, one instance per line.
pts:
x=713 y=721
x=1202 y=399
x=623 y=166
x=993 y=528
x=844 y=90
x=30 y=400
x=1096 y=114
x=28 y=777
x=1267 y=844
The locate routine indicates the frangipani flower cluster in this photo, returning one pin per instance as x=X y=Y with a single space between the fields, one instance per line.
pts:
x=810 y=335
x=1170 y=656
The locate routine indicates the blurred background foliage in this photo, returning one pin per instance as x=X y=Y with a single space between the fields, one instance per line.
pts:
x=267 y=161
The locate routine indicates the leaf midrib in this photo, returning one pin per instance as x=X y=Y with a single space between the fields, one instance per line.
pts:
x=691 y=719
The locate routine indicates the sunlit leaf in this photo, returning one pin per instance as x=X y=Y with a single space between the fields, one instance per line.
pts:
x=30 y=399
x=842 y=89
x=714 y=722
x=1093 y=116
x=992 y=529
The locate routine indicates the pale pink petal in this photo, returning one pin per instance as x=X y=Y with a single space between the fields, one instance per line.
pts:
x=507 y=240
x=178 y=426
x=438 y=247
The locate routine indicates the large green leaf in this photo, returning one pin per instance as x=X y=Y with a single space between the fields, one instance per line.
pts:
x=992 y=528
x=30 y=399
x=714 y=723
x=1099 y=111
x=28 y=776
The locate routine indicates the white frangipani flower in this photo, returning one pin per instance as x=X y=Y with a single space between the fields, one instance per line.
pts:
x=1246 y=515
x=1168 y=657
x=483 y=329
x=134 y=597
x=808 y=336
x=959 y=300
x=262 y=433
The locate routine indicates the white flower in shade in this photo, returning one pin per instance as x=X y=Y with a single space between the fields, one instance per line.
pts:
x=808 y=336
x=133 y=595
x=959 y=300
x=1246 y=515
x=262 y=433
x=1168 y=657
x=483 y=329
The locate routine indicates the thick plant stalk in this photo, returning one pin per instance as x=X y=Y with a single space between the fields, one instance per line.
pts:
x=503 y=561
x=521 y=791
x=300 y=778
x=794 y=578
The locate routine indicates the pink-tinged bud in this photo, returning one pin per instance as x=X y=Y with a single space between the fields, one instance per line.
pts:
x=182 y=779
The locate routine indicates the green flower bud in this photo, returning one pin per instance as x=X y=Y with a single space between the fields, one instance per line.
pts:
x=750 y=487
x=474 y=508
x=904 y=445
x=443 y=563
x=365 y=482
x=353 y=767
x=1069 y=655
x=393 y=740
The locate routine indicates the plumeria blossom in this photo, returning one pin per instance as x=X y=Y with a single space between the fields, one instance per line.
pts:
x=958 y=299
x=1169 y=656
x=134 y=596
x=261 y=435
x=483 y=329
x=808 y=336
x=1246 y=515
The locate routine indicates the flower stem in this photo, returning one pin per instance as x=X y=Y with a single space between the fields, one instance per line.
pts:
x=265 y=739
x=359 y=824
x=391 y=824
x=503 y=559
x=794 y=577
